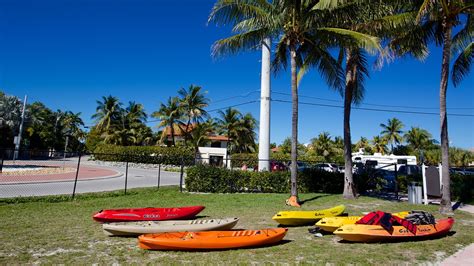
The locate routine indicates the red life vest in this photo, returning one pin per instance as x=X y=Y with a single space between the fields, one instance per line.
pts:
x=386 y=220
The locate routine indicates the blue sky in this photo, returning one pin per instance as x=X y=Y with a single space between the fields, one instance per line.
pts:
x=69 y=53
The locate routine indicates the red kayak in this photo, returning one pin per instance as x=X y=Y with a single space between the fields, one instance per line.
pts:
x=147 y=214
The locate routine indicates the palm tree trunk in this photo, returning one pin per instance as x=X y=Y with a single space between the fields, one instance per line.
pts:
x=186 y=134
x=172 y=134
x=446 y=180
x=294 y=123
x=349 y=188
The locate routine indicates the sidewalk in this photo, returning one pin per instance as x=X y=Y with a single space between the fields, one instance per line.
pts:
x=464 y=256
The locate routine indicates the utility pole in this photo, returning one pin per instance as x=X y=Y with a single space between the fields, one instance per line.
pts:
x=18 y=138
x=264 y=130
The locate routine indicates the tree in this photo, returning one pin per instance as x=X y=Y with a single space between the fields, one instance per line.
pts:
x=169 y=115
x=246 y=135
x=363 y=143
x=10 y=113
x=72 y=124
x=418 y=139
x=391 y=132
x=285 y=147
x=192 y=104
x=108 y=114
x=324 y=146
x=199 y=136
x=379 y=144
x=299 y=30
x=134 y=119
x=443 y=18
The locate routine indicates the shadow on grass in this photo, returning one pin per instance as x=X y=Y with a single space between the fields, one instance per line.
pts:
x=313 y=198
x=383 y=195
x=281 y=243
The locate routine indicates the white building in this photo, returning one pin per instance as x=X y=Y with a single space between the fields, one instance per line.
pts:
x=214 y=152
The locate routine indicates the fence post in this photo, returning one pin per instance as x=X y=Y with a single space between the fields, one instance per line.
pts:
x=425 y=193
x=181 y=175
x=159 y=175
x=396 y=181
x=77 y=175
x=126 y=176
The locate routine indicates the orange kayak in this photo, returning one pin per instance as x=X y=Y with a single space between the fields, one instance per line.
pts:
x=376 y=233
x=211 y=239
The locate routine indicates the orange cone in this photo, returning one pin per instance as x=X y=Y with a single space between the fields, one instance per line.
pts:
x=293 y=201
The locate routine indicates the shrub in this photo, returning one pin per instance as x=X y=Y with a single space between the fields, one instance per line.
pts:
x=145 y=154
x=205 y=178
x=249 y=159
x=404 y=180
x=462 y=187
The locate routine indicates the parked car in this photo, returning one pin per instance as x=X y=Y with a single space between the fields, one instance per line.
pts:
x=461 y=171
x=277 y=166
x=301 y=166
x=329 y=167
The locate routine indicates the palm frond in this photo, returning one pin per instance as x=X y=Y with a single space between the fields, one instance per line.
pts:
x=327 y=66
x=370 y=43
x=229 y=11
x=425 y=8
x=250 y=40
x=462 y=65
x=465 y=36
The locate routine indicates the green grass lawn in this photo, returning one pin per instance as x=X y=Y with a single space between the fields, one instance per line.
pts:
x=50 y=230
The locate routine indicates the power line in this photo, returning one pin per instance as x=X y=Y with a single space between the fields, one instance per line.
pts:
x=372 y=109
x=244 y=95
x=372 y=104
x=235 y=105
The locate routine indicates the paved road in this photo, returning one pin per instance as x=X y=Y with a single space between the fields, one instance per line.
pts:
x=136 y=178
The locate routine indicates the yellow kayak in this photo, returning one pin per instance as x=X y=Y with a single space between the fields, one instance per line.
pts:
x=306 y=217
x=330 y=224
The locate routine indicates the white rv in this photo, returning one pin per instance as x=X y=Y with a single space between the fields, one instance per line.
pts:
x=383 y=161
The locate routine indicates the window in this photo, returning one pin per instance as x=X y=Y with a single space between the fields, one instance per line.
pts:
x=216 y=160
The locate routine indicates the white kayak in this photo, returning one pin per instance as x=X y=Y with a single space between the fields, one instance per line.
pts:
x=151 y=227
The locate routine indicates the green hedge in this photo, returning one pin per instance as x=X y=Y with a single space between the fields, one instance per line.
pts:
x=145 y=154
x=205 y=178
x=462 y=187
x=249 y=159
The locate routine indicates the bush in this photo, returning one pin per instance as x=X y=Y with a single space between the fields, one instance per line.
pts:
x=404 y=180
x=145 y=154
x=205 y=178
x=462 y=187
x=249 y=159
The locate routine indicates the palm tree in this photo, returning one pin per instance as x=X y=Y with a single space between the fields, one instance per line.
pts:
x=444 y=17
x=300 y=31
x=10 y=110
x=230 y=124
x=363 y=143
x=108 y=113
x=379 y=144
x=192 y=104
x=418 y=139
x=199 y=136
x=135 y=114
x=169 y=115
x=246 y=135
x=134 y=120
x=391 y=132
x=323 y=146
